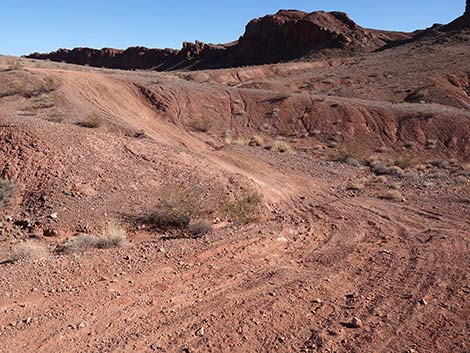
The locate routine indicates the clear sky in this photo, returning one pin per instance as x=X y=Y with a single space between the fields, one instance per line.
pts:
x=44 y=25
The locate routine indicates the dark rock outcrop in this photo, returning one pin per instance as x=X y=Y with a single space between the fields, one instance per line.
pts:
x=463 y=22
x=287 y=35
x=290 y=35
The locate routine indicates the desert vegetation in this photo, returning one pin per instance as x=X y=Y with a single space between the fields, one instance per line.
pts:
x=351 y=153
x=243 y=208
x=92 y=121
x=178 y=205
x=182 y=208
x=392 y=195
x=280 y=146
x=199 y=228
x=28 y=251
x=7 y=193
x=201 y=124
x=19 y=87
x=111 y=235
x=256 y=140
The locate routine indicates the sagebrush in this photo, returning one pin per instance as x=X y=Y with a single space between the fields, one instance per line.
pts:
x=7 y=193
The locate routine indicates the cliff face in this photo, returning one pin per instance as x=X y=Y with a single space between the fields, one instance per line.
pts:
x=290 y=35
x=287 y=35
x=463 y=22
x=131 y=58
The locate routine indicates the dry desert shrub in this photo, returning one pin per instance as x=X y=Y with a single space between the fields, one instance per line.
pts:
x=356 y=185
x=21 y=88
x=56 y=118
x=30 y=250
x=177 y=207
x=199 y=228
x=240 y=141
x=16 y=65
x=16 y=88
x=350 y=153
x=440 y=163
x=48 y=86
x=202 y=124
x=243 y=209
x=111 y=235
x=392 y=195
x=7 y=193
x=280 y=146
x=92 y=121
x=140 y=134
x=380 y=167
x=257 y=140
x=404 y=162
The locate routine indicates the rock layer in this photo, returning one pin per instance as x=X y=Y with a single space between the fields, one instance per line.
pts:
x=285 y=36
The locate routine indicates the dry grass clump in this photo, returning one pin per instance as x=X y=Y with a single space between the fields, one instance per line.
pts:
x=275 y=112
x=182 y=209
x=379 y=167
x=92 y=121
x=48 y=86
x=140 y=134
x=350 y=153
x=56 y=117
x=240 y=141
x=14 y=89
x=177 y=207
x=257 y=140
x=431 y=144
x=20 y=88
x=111 y=235
x=199 y=228
x=7 y=193
x=404 y=162
x=280 y=146
x=356 y=185
x=29 y=250
x=202 y=124
x=440 y=163
x=243 y=209
x=15 y=65
x=392 y=195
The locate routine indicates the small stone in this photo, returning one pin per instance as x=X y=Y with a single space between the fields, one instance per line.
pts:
x=200 y=332
x=53 y=215
x=27 y=320
x=49 y=232
x=317 y=301
x=81 y=325
x=423 y=302
x=356 y=323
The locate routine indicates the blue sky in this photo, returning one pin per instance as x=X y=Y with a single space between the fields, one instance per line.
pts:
x=44 y=25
